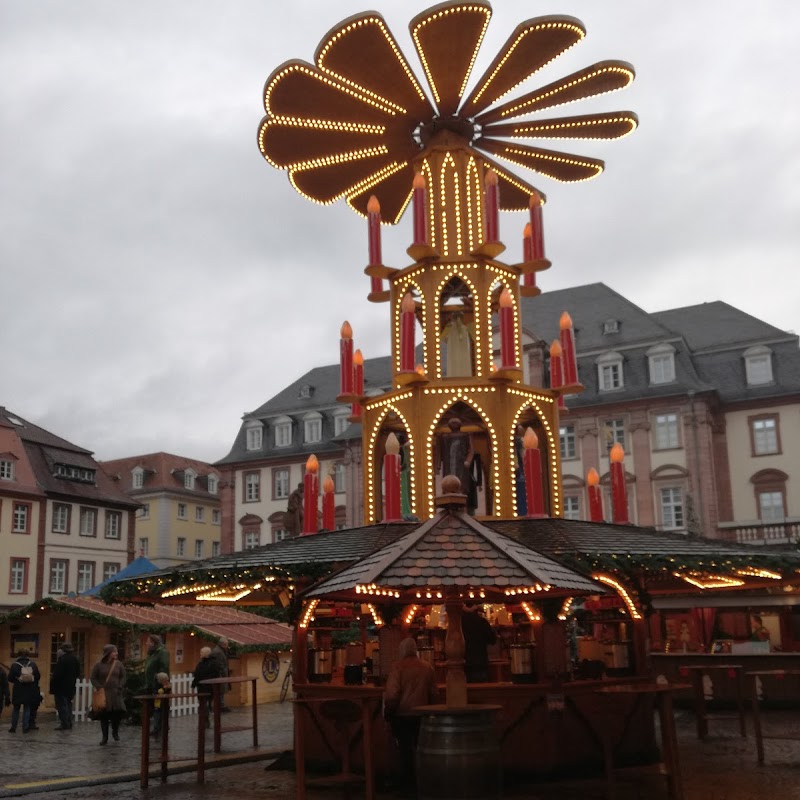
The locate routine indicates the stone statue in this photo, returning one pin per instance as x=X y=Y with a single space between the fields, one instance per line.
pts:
x=293 y=516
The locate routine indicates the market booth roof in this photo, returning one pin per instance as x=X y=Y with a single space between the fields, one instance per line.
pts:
x=246 y=630
x=453 y=555
x=668 y=562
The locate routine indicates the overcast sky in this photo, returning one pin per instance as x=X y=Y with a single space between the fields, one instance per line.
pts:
x=158 y=278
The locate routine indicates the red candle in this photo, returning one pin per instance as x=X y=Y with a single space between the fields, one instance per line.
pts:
x=532 y=466
x=569 y=363
x=391 y=479
x=508 y=355
x=346 y=359
x=358 y=381
x=595 y=496
x=492 y=207
x=619 y=494
x=527 y=255
x=537 y=230
x=420 y=210
x=557 y=370
x=310 y=495
x=328 y=504
x=408 y=323
x=374 y=233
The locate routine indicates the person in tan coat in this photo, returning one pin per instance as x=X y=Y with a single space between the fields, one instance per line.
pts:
x=411 y=683
x=109 y=673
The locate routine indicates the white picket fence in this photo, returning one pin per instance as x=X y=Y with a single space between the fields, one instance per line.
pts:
x=179 y=706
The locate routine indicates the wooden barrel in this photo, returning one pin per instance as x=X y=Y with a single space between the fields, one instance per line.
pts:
x=458 y=755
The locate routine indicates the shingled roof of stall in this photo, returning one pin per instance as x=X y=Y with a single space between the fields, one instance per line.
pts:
x=453 y=553
x=585 y=547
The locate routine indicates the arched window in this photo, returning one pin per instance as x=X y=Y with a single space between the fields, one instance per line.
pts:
x=609 y=372
x=661 y=361
x=758 y=365
x=312 y=427
x=770 y=492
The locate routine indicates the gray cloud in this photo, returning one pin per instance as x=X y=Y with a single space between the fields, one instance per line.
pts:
x=158 y=278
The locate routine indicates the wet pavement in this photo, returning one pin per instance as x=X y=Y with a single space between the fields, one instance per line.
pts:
x=72 y=766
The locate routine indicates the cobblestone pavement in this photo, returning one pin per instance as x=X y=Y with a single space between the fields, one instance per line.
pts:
x=722 y=767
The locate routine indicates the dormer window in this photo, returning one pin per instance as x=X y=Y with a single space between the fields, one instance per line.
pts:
x=137 y=476
x=609 y=372
x=341 y=422
x=73 y=473
x=312 y=427
x=255 y=435
x=283 y=432
x=758 y=365
x=306 y=390
x=610 y=326
x=213 y=484
x=661 y=359
x=6 y=469
x=189 y=477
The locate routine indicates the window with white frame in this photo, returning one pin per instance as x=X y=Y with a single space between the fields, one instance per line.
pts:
x=182 y=511
x=338 y=478
x=572 y=507
x=144 y=546
x=666 y=431
x=661 y=360
x=58 y=576
x=312 y=427
x=252 y=486
x=672 y=511
x=213 y=484
x=18 y=581
x=138 y=478
x=610 y=326
x=88 y=522
x=199 y=514
x=85 y=576
x=614 y=432
x=609 y=372
x=252 y=539
x=181 y=546
x=255 y=436
x=21 y=518
x=758 y=365
x=113 y=524
x=279 y=534
x=199 y=546
x=764 y=435
x=189 y=477
x=216 y=548
x=61 y=515
x=566 y=436
x=283 y=432
x=6 y=470
x=110 y=569
x=144 y=511
x=216 y=516
x=280 y=483
x=340 y=423
x=771 y=507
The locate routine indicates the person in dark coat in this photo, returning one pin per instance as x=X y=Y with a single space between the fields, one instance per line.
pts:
x=109 y=674
x=157 y=661
x=5 y=693
x=478 y=635
x=219 y=654
x=206 y=668
x=65 y=675
x=26 y=694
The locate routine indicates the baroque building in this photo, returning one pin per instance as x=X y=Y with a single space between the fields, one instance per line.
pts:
x=704 y=399
x=179 y=517
x=64 y=524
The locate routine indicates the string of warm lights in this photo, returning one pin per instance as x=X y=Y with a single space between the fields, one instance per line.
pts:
x=530 y=612
x=509 y=153
x=621 y=591
x=187 y=589
x=308 y=613
x=374 y=589
x=410 y=614
x=708 y=581
x=565 y=608
x=376 y=617
x=387 y=406
x=537 y=588
x=554 y=127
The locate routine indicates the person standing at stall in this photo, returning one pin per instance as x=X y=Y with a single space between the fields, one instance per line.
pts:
x=411 y=683
x=65 y=675
x=206 y=668
x=157 y=661
x=219 y=655
x=108 y=674
x=24 y=676
x=478 y=635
